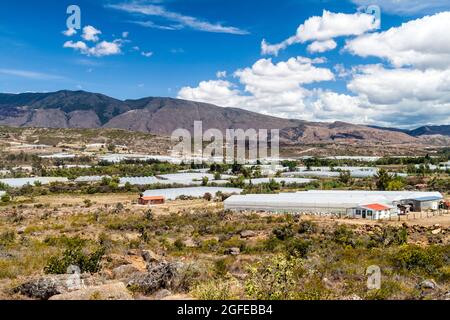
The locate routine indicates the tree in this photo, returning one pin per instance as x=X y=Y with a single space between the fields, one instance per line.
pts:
x=205 y=181
x=5 y=198
x=207 y=196
x=396 y=185
x=383 y=178
x=345 y=177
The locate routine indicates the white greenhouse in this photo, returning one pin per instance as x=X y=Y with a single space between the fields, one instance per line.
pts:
x=195 y=192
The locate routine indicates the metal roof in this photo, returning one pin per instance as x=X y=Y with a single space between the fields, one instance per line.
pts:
x=321 y=199
x=429 y=198
x=376 y=207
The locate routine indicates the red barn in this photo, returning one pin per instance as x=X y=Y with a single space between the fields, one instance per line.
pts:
x=154 y=200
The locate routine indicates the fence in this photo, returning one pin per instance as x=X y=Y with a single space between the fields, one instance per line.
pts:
x=420 y=215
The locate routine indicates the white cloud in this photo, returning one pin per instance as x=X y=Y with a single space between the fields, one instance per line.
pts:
x=181 y=20
x=29 y=74
x=407 y=7
x=385 y=97
x=151 y=24
x=273 y=89
x=101 y=49
x=392 y=86
x=421 y=43
x=147 y=54
x=125 y=34
x=90 y=33
x=322 y=46
x=330 y=25
x=70 y=32
x=288 y=75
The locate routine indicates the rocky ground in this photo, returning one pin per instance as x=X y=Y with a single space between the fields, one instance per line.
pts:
x=195 y=250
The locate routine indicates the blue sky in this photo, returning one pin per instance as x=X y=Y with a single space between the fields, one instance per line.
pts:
x=211 y=50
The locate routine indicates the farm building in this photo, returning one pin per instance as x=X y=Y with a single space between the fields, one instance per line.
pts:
x=195 y=192
x=376 y=204
x=151 y=200
x=373 y=211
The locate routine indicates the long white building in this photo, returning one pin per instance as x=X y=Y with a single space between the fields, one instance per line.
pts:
x=384 y=204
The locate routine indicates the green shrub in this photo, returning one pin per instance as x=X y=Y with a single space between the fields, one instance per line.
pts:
x=7 y=237
x=275 y=278
x=216 y=290
x=427 y=260
x=284 y=232
x=298 y=248
x=75 y=256
x=343 y=235
x=307 y=227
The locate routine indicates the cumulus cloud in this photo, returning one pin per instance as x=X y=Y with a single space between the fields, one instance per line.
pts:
x=266 y=87
x=330 y=25
x=90 y=33
x=180 y=19
x=421 y=43
x=392 y=86
x=322 y=46
x=70 y=32
x=104 y=48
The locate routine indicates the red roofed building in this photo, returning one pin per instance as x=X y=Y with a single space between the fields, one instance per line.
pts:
x=145 y=201
x=374 y=211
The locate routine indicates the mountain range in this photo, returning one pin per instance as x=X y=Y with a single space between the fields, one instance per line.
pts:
x=161 y=116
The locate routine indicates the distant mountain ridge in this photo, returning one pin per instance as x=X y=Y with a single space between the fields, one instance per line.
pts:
x=161 y=116
x=443 y=130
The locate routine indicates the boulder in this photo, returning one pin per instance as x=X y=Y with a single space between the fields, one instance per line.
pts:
x=427 y=285
x=114 y=291
x=150 y=257
x=248 y=234
x=162 y=275
x=45 y=287
x=189 y=243
x=233 y=251
x=162 y=294
x=124 y=271
x=437 y=231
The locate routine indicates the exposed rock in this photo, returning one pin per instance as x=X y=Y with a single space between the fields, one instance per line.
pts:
x=189 y=243
x=150 y=257
x=353 y=297
x=21 y=230
x=162 y=275
x=233 y=251
x=46 y=287
x=124 y=271
x=248 y=234
x=114 y=291
x=161 y=294
x=427 y=285
x=437 y=231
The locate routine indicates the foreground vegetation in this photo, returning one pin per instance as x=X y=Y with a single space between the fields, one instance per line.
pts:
x=229 y=256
